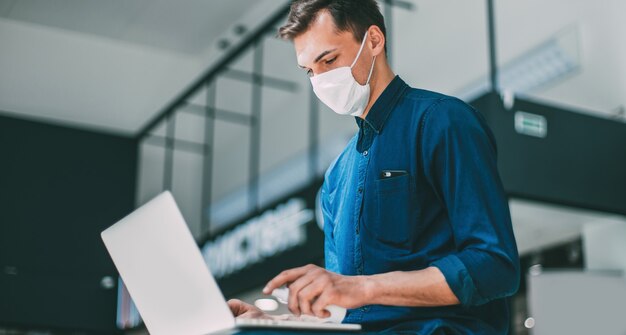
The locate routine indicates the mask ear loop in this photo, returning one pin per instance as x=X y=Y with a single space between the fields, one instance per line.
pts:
x=371 y=70
x=360 y=49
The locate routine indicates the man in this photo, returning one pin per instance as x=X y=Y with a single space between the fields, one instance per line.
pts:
x=418 y=233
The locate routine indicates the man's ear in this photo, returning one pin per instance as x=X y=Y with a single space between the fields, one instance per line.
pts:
x=376 y=39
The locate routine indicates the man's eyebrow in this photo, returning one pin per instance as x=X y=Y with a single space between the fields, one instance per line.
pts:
x=318 y=58
x=324 y=54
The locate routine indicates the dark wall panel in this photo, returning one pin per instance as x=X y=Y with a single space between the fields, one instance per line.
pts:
x=59 y=187
x=580 y=162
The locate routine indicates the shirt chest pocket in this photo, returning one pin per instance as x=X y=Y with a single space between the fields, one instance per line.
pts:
x=392 y=220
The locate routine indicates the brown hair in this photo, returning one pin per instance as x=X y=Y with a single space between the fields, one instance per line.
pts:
x=355 y=16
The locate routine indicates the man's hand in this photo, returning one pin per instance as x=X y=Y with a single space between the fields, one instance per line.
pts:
x=312 y=288
x=243 y=310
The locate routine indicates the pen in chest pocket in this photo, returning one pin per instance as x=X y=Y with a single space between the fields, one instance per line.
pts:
x=384 y=174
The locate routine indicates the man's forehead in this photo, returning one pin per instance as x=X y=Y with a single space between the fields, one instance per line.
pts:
x=321 y=35
x=311 y=44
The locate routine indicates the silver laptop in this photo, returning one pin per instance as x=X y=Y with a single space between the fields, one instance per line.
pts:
x=168 y=279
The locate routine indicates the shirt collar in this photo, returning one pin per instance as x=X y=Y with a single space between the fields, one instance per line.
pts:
x=381 y=109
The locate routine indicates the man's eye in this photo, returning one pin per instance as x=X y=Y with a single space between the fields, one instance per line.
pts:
x=330 y=61
x=309 y=73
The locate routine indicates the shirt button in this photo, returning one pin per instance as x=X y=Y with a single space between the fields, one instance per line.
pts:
x=360 y=190
x=365 y=153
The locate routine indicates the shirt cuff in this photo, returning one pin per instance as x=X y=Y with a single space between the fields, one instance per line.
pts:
x=458 y=278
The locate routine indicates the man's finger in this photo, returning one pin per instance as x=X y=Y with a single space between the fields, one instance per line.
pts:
x=308 y=294
x=294 y=291
x=235 y=306
x=319 y=306
x=285 y=277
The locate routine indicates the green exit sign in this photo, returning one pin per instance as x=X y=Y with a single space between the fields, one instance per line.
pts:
x=531 y=124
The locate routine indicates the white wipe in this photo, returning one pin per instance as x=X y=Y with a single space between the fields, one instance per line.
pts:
x=337 y=313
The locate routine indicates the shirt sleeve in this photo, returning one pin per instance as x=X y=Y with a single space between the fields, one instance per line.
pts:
x=459 y=155
x=330 y=253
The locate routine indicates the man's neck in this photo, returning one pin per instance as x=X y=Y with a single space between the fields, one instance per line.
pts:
x=381 y=78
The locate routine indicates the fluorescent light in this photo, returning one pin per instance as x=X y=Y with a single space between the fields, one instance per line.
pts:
x=543 y=65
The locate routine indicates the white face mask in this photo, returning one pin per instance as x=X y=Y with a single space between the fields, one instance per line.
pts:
x=339 y=90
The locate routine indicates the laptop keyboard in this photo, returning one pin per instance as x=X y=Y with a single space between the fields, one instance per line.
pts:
x=259 y=322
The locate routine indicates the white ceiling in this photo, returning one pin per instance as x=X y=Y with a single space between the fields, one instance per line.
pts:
x=600 y=85
x=112 y=65
x=182 y=26
x=447 y=49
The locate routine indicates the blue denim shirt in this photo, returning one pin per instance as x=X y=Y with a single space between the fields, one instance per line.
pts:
x=441 y=203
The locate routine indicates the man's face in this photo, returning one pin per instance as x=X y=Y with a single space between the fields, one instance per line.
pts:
x=322 y=48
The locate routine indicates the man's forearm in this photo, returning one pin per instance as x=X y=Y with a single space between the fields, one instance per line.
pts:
x=426 y=288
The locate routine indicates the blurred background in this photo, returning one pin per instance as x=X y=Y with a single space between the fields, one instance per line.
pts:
x=105 y=104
